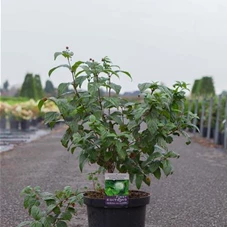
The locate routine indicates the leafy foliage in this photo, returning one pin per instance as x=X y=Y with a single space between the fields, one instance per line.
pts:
x=48 y=209
x=116 y=134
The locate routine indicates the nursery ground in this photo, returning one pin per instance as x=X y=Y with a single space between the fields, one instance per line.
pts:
x=194 y=196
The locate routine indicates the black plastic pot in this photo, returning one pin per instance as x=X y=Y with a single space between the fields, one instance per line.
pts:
x=2 y=123
x=25 y=124
x=212 y=133
x=204 y=132
x=14 y=124
x=131 y=216
x=221 y=138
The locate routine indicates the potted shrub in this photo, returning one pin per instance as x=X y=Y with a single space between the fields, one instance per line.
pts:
x=27 y=114
x=117 y=135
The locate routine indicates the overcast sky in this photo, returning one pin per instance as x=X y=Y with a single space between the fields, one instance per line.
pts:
x=155 y=40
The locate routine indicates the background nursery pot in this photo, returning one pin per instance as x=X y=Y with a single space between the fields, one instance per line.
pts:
x=116 y=134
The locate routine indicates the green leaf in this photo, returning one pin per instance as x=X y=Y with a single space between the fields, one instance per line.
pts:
x=26 y=190
x=79 y=80
x=153 y=166
x=152 y=124
x=36 y=213
x=61 y=224
x=82 y=160
x=116 y=116
x=76 y=65
x=56 y=54
x=131 y=177
x=57 y=210
x=71 y=210
x=50 y=208
x=68 y=191
x=167 y=167
x=41 y=102
x=107 y=156
x=36 y=224
x=51 y=116
x=186 y=135
x=110 y=135
x=37 y=189
x=171 y=154
x=86 y=69
x=139 y=180
x=46 y=195
x=169 y=139
x=26 y=201
x=143 y=87
x=66 y=137
x=31 y=203
x=125 y=72
x=66 y=216
x=115 y=87
x=24 y=223
x=53 y=69
x=132 y=124
x=138 y=113
x=151 y=159
x=73 y=199
x=50 y=201
x=157 y=173
x=46 y=221
x=62 y=88
x=120 y=150
x=111 y=102
x=67 y=54
x=155 y=155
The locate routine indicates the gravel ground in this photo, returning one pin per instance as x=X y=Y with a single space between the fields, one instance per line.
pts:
x=194 y=196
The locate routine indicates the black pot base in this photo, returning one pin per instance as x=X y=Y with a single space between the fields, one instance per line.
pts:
x=131 y=216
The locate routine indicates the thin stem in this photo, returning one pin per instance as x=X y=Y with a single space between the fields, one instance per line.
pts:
x=99 y=93
x=74 y=85
x=109 y=92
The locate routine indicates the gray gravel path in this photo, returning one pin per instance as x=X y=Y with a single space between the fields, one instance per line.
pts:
x=194 y=196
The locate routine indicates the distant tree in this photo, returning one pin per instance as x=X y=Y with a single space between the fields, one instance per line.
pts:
x=28 y=87
x=206 y=86
x=203 y=87
x=49 y=88
x=195 y=88
x=131 y=93
x=38 y=87
x=6 y=85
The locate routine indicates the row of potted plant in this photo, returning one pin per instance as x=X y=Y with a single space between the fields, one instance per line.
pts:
x=22 y=114
x=203 y=107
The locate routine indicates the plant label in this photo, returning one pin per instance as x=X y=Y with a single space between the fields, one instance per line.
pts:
x=116 y=189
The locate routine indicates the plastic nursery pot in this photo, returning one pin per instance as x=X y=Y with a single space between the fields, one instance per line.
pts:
x=14 y=124
x=131 y=216
x=2 y=123
x=25 y=124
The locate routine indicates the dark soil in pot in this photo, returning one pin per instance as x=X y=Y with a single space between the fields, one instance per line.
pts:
x=133 y=194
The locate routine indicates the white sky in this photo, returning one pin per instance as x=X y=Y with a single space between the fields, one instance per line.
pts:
x=155 y=40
